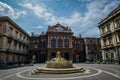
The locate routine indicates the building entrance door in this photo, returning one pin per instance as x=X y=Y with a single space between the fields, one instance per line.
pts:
x=43 y=58
x=67 y=55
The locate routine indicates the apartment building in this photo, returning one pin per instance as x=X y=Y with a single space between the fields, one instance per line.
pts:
x=93 y=49
x=14 y=43
x=110 y=36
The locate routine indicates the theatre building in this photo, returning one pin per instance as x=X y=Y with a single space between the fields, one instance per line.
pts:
x=57 y=38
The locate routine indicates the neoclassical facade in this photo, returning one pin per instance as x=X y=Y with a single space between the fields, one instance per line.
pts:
x=14 y=43
x=110 y=36
x=59 y=38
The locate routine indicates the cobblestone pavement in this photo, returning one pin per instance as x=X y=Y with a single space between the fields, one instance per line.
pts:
x=94 y=72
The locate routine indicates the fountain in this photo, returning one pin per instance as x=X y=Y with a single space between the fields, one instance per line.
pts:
x=58 y=65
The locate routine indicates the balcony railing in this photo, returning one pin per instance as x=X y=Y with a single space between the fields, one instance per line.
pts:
x=20 y=52
x=117 y=28
x=16 y=38
x=23 y=42
x=10 y=35
x=107 y=46
x=118 y=43
x=106 y=33
x=110 y=45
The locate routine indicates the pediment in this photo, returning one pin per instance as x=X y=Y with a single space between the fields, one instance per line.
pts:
x=58 y=28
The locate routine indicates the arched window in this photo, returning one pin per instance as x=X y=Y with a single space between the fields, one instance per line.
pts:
x=53 y=42
x=59 y=42
x=66 y=42
x=77 y=46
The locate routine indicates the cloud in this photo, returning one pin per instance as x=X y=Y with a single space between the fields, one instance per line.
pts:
x=97 y=10
x=85 y=24
x=40 y=11
x=6 y=10
x=38 y=27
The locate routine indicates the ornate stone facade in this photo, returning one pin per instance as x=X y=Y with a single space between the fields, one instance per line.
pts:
x=110 y=36
x=14 y=43
x=58 y=38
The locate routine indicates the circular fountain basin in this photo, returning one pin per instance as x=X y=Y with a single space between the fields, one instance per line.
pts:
x=57 y=71
x=59 y=64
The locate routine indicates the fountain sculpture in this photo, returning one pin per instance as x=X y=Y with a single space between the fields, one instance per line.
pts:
x=58 y=66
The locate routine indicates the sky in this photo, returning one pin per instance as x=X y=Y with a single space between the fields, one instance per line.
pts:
x=82 y=16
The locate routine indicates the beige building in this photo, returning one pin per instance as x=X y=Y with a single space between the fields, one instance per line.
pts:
x=13 y=43
x=93 y=49
x=110 y=36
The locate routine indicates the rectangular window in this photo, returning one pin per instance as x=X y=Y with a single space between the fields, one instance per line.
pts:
x=10 y=30
x=103 y=30
x=117 y=22
x=110 y=40
x=105 y=42
x=16 y=33
x=53 y=43
x=108 y=27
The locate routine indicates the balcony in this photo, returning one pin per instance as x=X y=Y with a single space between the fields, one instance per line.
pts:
x=21 y=41
x=110 y=46
x=20 y=52
x=106 y=33
x=16 y=38
x=117 y=29
x=10 y=35
x=107 y=46
x=118 y=43
x=25 y=42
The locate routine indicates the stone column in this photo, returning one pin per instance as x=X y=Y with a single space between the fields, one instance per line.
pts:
x=103 y=56
x=56 y=42
x=63 y=44
x=116 y=58
x=87 y=55
x=49 y=42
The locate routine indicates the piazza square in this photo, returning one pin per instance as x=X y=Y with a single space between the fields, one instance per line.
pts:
x=60 y=40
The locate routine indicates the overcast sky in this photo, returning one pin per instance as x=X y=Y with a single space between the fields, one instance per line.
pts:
x=82 y=16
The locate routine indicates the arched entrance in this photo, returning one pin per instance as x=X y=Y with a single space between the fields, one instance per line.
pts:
x=77 y=57
x=112 y=57
x=53 y=55
x=66 y=55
